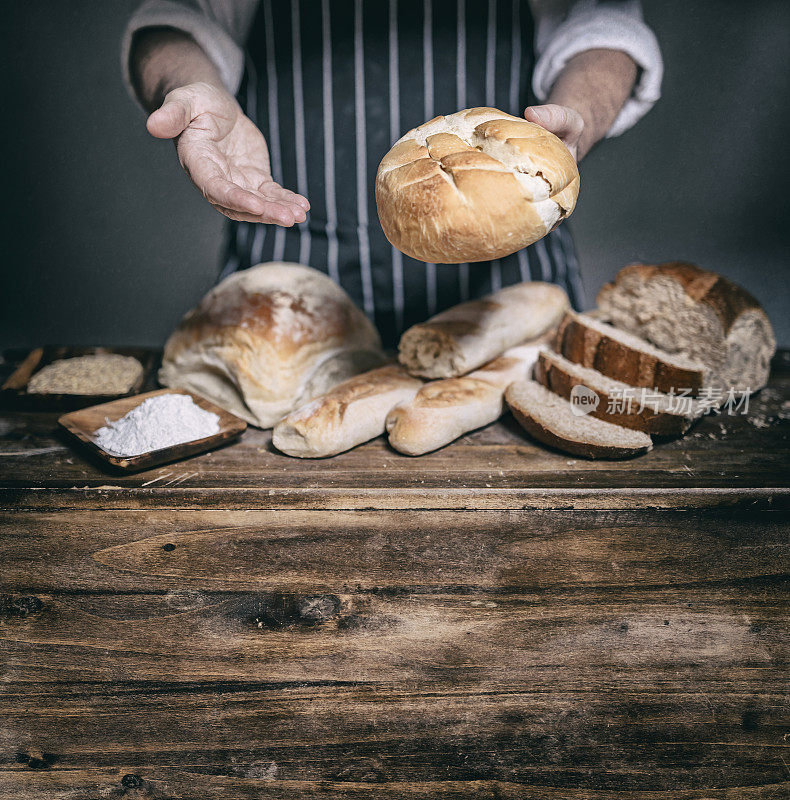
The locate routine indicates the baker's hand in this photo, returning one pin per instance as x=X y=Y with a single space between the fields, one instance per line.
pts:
x=564 y=122
x=225 y=155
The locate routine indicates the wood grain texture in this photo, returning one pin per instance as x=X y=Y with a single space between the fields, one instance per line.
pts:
x=182 y=784
x=378 y=550
x=655 y=741
x=294 y=653
x=501 y=643
x=244 y=625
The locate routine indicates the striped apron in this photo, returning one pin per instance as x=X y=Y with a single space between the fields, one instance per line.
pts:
x=332 y=84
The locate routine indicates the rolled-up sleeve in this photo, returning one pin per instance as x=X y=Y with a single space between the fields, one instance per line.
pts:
x=593 y=25
x=220 y=27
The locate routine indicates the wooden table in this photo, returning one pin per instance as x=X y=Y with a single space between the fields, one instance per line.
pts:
x=490 y=621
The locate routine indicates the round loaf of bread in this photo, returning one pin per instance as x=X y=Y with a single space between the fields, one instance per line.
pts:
x=473 y=186
x=268 y=339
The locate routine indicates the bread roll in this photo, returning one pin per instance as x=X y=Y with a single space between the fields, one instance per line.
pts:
x=267 y=340
x=469 y=335
x=444 y=410
x=351 y=413
x=549 y=419
x=696 y=314
x=472 y=186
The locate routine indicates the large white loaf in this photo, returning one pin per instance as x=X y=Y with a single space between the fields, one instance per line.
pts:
x=267 y=340
x=473 y=186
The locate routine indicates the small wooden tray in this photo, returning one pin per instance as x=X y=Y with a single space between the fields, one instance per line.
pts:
x=15 y=393
x=84 y=423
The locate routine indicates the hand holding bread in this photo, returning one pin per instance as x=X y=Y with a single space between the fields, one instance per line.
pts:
x=473 y=186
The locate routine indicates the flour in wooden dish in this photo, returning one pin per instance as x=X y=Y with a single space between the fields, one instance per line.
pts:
x=158 y=422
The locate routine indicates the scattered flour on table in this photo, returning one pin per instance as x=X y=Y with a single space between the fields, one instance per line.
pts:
x=157 y=422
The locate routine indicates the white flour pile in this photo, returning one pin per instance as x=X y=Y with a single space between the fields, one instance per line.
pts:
x=157 y=422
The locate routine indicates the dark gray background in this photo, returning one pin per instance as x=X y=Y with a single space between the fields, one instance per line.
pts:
x=106 y=242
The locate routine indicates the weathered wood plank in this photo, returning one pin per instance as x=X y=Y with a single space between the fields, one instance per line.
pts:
x=651 y=741
x=725 y=460
x=552 y=641
x=180 y=784
x=342 y=551
x=116 y=498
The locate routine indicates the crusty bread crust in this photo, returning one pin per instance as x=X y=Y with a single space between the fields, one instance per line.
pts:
x=443 y=410
x=577 y=448
x=267 y=339
x=468 y=335
x=351 y=413
x=599 y=346
x=474 y=185
x=530 y=418
x=549 y=371
x=698 y=314
x=727 y=299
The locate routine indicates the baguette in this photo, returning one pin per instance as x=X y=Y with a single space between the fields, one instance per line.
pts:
x=549 y=419
x=618 y=402
x=624 y=357
x=469 y=335
x=443 y=410
x=351 y=413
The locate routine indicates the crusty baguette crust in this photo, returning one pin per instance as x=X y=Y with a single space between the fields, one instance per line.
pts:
x=474 y=185
x=550 y=373
x=591 y=347
x=442 y=414
x=443 y=410
x=544 y=434
x=468 y=335
x=351 y=413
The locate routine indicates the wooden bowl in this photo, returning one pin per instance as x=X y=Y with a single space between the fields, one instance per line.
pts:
x=84 y=423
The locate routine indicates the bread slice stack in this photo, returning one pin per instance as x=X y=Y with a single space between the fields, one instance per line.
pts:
x=630 y=389
x=684 y=339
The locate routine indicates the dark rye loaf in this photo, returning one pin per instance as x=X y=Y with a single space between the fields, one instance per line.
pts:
x=696 y=314
x=624 y=357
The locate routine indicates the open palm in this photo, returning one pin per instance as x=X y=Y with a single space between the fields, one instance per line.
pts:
x=225 y=155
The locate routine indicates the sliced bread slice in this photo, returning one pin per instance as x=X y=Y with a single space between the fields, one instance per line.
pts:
x=637 y=408
x=551 y=420
x=625 y=357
